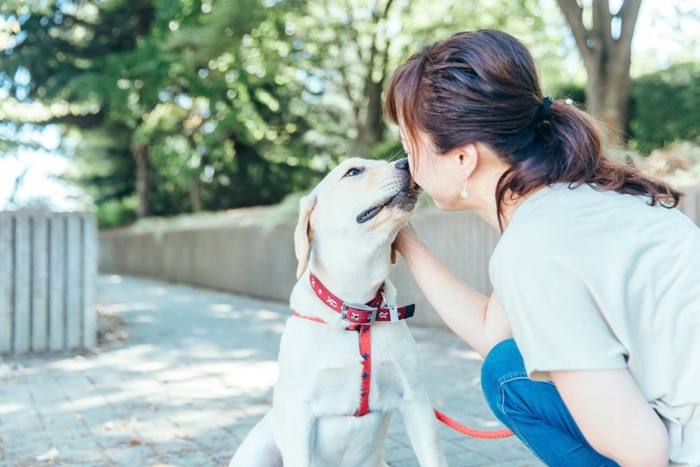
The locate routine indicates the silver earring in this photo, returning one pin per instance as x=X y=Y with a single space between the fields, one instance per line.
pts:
x=464 y=194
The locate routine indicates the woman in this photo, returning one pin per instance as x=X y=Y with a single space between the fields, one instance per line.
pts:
x=595 y=276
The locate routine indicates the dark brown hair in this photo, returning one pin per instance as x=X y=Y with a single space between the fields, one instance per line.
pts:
x=483 y=87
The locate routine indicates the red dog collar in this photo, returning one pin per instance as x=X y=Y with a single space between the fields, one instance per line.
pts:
x=361 y=314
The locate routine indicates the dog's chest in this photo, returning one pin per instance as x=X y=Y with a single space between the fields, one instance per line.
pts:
x=394 y=367
x=330 y=363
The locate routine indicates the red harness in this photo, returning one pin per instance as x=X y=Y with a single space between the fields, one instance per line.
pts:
x=361 y=317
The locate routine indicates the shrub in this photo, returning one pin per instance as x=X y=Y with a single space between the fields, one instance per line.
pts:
x=114 y=213
x=664 y=107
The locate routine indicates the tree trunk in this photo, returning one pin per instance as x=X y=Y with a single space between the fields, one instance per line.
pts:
x=373 y=126
x=196 y=193
x=607 y=97
x=606 y=50
x=142 y=185
x=370 y=126
x=195 y=189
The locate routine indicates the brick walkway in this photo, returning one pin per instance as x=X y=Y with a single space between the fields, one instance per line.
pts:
x=193 y=376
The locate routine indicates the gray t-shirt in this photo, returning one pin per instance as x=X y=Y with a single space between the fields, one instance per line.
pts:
x=600 y=280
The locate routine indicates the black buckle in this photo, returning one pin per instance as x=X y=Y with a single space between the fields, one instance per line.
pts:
x=360 y=307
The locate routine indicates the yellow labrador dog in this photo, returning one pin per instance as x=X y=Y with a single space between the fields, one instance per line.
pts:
x=347 y=359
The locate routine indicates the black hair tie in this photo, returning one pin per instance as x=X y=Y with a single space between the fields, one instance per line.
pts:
x=546 y=104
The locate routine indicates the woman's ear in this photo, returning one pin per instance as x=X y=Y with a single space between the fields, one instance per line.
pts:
x=468 y=158
x=303 y=235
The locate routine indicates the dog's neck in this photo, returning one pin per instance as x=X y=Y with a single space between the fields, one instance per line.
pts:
x=352 y=275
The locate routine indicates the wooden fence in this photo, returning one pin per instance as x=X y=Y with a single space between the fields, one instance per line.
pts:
x=48 y=269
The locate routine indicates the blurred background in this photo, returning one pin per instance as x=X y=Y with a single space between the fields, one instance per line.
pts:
x=138 y=108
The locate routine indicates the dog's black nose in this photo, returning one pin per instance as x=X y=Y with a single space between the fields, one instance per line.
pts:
x=402 y=164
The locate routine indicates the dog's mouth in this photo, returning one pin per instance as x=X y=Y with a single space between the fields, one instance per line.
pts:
x=405 y=199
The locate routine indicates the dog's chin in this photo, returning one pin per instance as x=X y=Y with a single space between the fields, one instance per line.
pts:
x=403 y=201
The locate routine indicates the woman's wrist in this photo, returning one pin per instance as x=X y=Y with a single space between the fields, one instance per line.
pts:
x=409 y=244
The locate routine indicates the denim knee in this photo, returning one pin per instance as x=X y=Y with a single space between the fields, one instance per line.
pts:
x=503 y=362
x=533 y=410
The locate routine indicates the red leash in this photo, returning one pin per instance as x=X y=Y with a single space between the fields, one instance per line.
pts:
x=361 y=318
x=465 y=430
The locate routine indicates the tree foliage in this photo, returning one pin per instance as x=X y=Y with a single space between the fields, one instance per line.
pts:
x=172 y=106
x=140 y=81
x=664 y=107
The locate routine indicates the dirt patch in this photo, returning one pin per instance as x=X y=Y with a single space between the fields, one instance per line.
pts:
x=678 y=164
x=110 y=327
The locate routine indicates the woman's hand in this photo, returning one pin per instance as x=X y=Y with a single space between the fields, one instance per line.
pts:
x=406 y=236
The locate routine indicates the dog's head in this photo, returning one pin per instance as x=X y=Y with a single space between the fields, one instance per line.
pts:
x=365 y=200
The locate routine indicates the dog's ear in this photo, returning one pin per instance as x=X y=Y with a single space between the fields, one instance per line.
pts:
x=303 y=234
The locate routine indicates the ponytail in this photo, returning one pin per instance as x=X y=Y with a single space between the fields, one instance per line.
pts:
x=572 y=151
x=482 y=86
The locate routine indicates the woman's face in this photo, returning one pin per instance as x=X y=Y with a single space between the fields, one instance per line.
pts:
x=434 y=172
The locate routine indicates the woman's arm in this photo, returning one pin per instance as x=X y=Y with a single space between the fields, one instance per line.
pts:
x=477 y=319
x=613 y=415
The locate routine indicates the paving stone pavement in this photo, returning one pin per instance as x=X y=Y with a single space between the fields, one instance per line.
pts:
x=194 y=375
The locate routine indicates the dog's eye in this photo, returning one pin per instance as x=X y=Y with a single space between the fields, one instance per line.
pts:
x=354 y=171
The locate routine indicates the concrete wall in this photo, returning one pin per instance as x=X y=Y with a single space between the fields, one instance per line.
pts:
x=251 y=259
x=48 y=266
x=257 y=260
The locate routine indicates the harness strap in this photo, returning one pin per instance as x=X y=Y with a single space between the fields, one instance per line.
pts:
x=366 y=354
x=365 y=341
x=310 y=318
x=365 y=344
x=363 y=409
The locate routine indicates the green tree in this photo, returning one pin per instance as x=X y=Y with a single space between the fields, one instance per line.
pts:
x=188 y=105
x=353 y=46
x=664 y=107
x=60 y=69
x=122 y=69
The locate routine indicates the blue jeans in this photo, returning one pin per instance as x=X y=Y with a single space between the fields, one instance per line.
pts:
x=534 y=411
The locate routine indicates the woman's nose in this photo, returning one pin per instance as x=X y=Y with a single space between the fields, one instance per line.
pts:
x=402 y=164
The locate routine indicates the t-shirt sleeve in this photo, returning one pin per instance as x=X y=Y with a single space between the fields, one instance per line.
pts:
x=554 y=315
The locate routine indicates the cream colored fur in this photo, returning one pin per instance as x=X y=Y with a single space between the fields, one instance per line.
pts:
x=310 y=423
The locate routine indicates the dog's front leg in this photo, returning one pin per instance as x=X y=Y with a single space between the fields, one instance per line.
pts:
x=421 y=427
x=295 y=432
